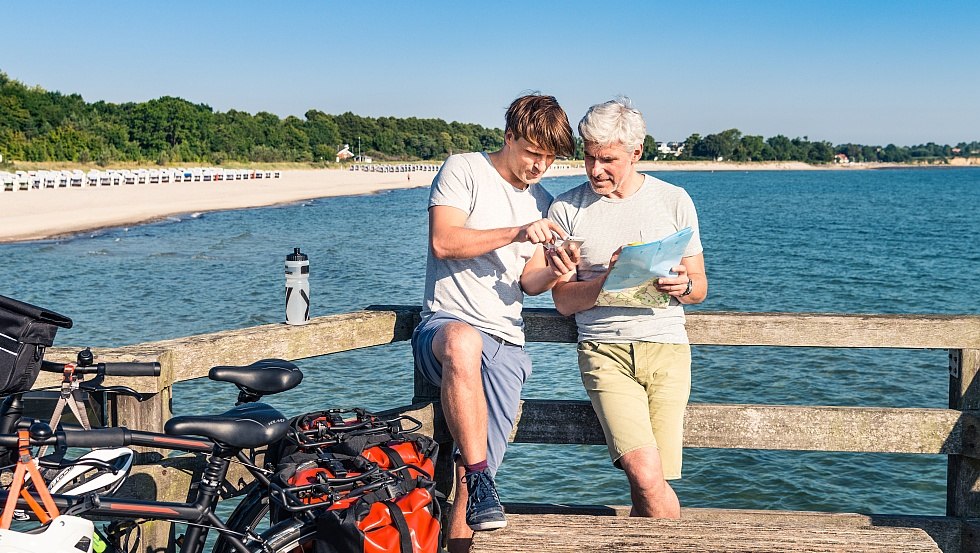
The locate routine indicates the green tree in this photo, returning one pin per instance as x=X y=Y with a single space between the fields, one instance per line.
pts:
x=751 y=148
x=324 y=134
x=649 y=148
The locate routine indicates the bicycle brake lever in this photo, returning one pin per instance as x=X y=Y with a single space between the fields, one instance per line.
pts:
x=94 y=387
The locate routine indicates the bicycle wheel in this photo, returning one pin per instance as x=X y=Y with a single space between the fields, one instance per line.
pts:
x=289 y=536
x=250 y=516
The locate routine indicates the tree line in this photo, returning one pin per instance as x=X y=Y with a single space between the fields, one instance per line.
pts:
x=37 y=125
x=734 y=146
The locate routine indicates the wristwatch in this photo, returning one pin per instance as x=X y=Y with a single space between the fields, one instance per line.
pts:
x=690 y=288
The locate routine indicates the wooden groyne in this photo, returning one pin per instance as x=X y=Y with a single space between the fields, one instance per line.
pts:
x=952 y=432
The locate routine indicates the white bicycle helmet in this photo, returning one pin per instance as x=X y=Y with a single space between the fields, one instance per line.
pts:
x=81 y=478
x=64 y=534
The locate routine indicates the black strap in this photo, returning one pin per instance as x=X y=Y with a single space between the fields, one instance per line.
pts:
x=393 y=456
x=398 y=519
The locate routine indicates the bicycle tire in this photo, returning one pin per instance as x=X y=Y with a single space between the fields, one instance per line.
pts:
x=250 y=515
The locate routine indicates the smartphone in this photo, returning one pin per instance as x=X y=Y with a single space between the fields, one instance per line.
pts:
x=572 y=243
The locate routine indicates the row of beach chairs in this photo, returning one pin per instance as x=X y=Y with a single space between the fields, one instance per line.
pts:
x=35 y=180
x=399 y=168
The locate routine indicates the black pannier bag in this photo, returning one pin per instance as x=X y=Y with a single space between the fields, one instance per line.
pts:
x=25 y=331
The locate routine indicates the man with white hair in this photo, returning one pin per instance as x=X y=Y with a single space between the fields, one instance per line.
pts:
x=635 y=362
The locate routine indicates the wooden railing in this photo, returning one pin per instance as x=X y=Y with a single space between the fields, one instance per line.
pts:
x=952 y=432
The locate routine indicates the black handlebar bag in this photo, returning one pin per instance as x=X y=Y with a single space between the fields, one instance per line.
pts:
x=25 y=331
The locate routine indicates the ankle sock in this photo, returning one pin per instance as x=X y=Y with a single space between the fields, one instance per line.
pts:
x=477 y=467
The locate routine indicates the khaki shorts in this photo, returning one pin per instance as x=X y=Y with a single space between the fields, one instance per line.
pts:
x=639 y=392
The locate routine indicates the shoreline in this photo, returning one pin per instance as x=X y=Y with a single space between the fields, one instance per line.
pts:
x=52 y=214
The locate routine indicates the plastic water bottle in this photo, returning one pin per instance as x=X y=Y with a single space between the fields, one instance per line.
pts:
x=297 y=288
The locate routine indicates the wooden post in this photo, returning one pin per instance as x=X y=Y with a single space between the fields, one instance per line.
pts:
x=445 y=468
x=150 y=415
x=963 y=473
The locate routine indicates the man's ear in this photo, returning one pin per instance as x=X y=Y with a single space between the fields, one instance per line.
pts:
x=637 y=153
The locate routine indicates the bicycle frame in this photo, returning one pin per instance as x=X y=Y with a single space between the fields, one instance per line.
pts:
x=198 y=513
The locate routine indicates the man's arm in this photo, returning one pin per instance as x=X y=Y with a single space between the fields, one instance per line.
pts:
x=691 y=269
x=450 y=239
x=545 y=268
x=572 y=295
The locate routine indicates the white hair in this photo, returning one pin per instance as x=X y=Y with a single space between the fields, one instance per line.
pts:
x=614 y=122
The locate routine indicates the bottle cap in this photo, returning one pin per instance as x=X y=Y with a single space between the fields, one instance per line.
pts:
x=296 y=256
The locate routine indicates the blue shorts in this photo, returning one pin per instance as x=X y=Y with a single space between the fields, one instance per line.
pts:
x=505 y=368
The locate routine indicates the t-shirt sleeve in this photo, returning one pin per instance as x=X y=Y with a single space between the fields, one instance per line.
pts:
x=559 y=214
x=687 y=216
x=453 y=185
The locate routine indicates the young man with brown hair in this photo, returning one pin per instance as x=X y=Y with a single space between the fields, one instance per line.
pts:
x=487 y=228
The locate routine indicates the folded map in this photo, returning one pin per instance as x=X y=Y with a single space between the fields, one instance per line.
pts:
x=632 y=281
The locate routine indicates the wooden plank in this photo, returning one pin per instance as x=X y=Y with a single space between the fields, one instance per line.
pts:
x=191 y=357
x=806 y=428
x=858 y=429
x=767 y=329
x=945 y=531
x=558 y=533
x=796 y=329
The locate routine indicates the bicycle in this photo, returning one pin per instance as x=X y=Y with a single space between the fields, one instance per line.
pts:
x=224 y=437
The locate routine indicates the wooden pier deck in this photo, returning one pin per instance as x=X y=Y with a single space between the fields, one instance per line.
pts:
x=952 y=432
x=577 y=533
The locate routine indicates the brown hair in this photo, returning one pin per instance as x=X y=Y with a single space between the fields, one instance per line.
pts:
x=541 y=121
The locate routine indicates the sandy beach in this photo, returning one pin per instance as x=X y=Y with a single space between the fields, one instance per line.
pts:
x=51 y=213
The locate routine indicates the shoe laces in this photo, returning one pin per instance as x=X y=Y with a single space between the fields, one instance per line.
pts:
x=480 y=486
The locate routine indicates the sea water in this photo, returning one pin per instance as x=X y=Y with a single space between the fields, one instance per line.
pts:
x=884 y=241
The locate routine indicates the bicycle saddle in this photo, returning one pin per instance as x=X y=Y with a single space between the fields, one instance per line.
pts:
x=246 y=426
x=266 y=376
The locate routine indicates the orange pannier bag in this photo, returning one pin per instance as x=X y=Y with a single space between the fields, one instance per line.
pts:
x=380 y=499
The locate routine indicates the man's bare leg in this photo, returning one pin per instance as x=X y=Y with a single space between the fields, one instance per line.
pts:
x=652 y=496
x=459 y=536
x=459 y=348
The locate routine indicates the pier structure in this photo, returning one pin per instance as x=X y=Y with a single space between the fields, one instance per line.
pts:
x=952 y=431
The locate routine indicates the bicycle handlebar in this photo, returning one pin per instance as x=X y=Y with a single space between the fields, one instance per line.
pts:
x=114 y=437
x=122 y=368
x=132 y=369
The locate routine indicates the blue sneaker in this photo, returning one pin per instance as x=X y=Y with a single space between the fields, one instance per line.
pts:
x=483 y=508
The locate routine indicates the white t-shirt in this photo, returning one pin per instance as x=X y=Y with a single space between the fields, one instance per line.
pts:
x=484 y=291
x=655 y=211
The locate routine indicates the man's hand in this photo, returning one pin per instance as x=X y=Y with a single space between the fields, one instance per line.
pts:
x=675 y=285
x=542 y=231
x=562 y=260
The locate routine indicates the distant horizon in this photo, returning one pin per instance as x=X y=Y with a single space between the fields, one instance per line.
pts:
x=873 y=72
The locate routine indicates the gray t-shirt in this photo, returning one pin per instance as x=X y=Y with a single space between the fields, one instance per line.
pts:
x=655 y=211
x=484 y=291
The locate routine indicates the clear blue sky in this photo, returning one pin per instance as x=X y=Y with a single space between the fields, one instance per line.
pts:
x=874 y=72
